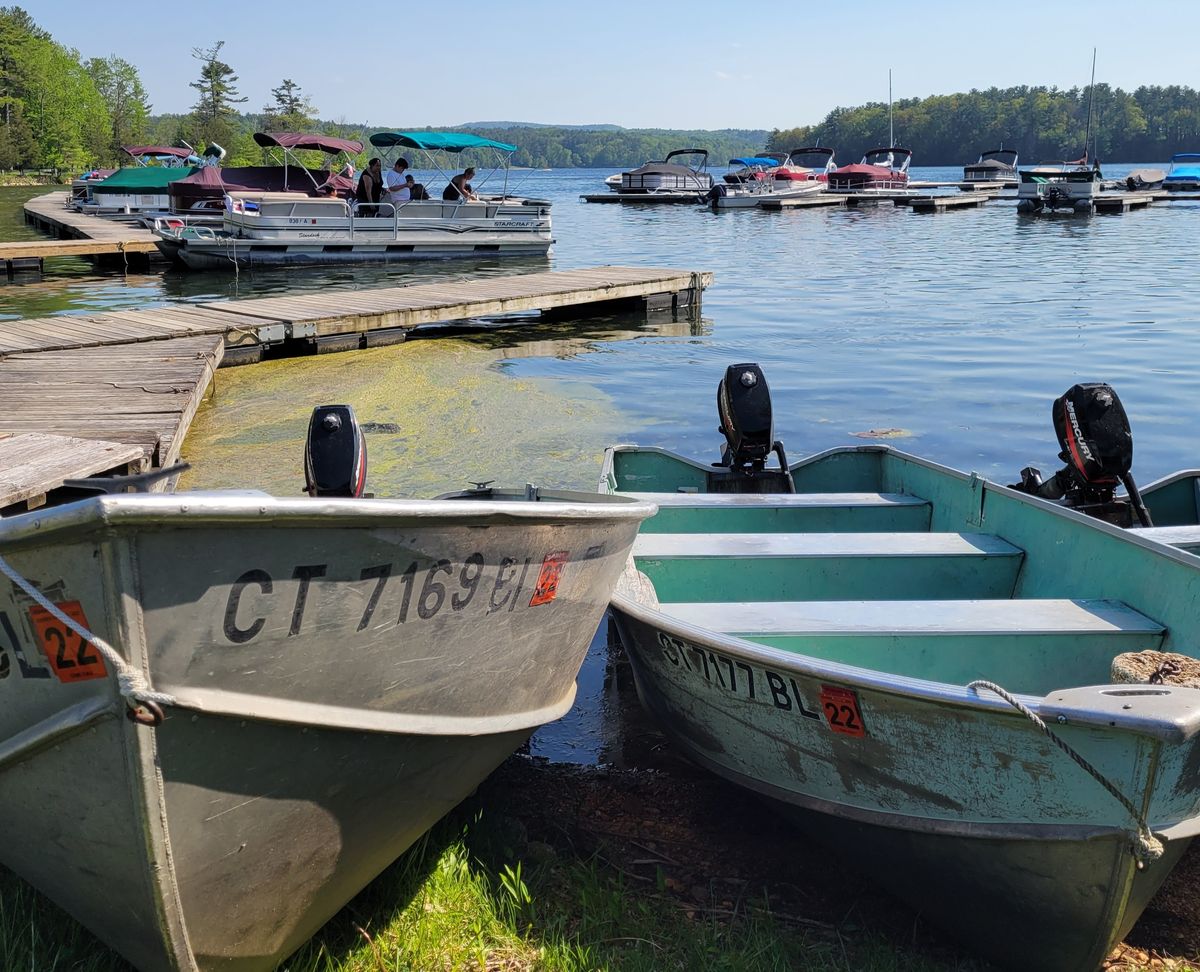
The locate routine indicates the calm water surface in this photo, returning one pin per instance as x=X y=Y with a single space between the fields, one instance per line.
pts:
x=958 y=329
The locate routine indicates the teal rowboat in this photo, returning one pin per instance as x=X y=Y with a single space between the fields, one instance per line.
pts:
x=819 y=647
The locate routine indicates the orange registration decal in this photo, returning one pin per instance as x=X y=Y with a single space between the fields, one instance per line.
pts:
x=72 y=658
x=547 y=583
x=841 y=710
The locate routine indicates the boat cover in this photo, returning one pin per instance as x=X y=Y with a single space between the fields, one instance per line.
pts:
x=308 y=142
x=137 y=151
x=437 y=141
x=991 y=164
x=663 y=168
x=1185 y=157
x=211 y=182
x=754 y=160
x=142 y=178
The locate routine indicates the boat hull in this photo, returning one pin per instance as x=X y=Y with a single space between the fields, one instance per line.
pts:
x=944 y=851
x=820 y=646
x=344 y=672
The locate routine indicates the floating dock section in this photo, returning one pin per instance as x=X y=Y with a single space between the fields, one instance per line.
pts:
x=77 y=234
x=136 y=378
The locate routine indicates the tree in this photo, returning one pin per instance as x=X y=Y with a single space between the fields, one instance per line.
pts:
x=67 y=118
x=119 y=85
x=290 y=110
x=215 y=110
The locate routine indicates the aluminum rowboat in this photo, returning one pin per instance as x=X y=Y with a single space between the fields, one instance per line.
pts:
x=342 y=672
x=819 y=647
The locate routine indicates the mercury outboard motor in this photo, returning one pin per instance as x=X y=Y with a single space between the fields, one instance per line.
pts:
x=335 y=453
x=1097 y=446
x=744 y=410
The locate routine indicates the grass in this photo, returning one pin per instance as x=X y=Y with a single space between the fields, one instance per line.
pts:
x=463 y=899
x=471 y=898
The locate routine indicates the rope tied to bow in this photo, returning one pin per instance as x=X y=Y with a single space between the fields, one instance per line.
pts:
x=1146 y=847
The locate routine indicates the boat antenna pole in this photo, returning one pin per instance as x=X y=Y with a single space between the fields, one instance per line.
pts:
x=1091 y=100
x=891 y=135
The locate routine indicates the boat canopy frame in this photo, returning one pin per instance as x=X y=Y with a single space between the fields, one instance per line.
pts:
x=437 y=147
x=289 y=143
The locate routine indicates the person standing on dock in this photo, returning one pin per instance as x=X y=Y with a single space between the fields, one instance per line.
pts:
x=397 y=185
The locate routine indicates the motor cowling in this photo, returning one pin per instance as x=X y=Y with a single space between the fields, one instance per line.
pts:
x=744 y=411
x=1096 y=444
x=335 y=453
x=1094 y=434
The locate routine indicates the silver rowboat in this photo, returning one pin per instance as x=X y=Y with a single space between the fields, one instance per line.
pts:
x=341 y=673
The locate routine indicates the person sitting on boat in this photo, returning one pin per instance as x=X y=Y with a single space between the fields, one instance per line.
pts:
x=459 y=188
x=370 y=188
x=416 y=190
x=397 y=186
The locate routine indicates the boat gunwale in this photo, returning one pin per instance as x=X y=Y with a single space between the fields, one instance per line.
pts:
x=201 y=509
x=1061 y=703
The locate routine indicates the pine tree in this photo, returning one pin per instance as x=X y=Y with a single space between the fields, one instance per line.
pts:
x=289 y=110
x=218 y=95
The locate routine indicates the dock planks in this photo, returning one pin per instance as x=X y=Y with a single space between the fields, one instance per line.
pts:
x=143 y=395
x=937 y=204
x=260 y=322
x=34 y=464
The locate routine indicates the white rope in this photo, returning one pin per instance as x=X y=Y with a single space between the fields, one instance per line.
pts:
x=133 y=685
x=1146 y=847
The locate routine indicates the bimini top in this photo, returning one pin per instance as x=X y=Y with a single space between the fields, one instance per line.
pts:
x=1186 y=157
x=755 y=160
x=437 y=141
x=308 y=142
x=139 y=151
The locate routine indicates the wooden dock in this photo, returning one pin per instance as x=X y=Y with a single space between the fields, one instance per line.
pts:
x=75 y=234
x=136 y=378
x=345 y=320
x=936 y=204
x=1122 y=202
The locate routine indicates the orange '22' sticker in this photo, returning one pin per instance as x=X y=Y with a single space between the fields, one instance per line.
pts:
x=841 y=709
x=551 y=573
x=72 y=658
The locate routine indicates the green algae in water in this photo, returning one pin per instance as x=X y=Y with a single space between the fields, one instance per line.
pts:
x=460 y=417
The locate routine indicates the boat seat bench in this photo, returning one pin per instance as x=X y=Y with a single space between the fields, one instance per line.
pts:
x=1027 y=645
x=826 y=566
x=687 y=512
x=1185 y=537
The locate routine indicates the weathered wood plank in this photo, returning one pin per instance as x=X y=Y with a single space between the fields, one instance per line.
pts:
x=33 y=464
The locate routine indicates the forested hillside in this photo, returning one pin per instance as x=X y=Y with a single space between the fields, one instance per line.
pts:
x=1149 y=125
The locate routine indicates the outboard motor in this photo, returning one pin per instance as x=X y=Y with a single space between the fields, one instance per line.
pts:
x=744 y=410
x=335 y=453
x=1097 y=446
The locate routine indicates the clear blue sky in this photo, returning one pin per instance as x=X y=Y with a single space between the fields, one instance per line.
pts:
x=637 y=63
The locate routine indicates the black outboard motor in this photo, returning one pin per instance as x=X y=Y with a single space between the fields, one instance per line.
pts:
x=744 y=409
x=335 y=454
x=1097 y=446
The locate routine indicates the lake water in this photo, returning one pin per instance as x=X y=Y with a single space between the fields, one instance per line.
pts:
x=956 y=329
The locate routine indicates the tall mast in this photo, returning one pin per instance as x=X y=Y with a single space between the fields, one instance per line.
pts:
x=1091 y=101
x=891 y=135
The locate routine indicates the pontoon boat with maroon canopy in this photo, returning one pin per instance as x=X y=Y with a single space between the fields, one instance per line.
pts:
x=882 y=170
x=205 y=189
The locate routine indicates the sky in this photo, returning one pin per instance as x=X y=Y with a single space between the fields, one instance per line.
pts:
x=684 y=64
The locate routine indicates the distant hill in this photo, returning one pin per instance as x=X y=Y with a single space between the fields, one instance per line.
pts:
x=520 y=124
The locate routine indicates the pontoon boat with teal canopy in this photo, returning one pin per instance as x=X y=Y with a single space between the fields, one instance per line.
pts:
x=755 y=161
x=960 y=685
x=437 y=141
